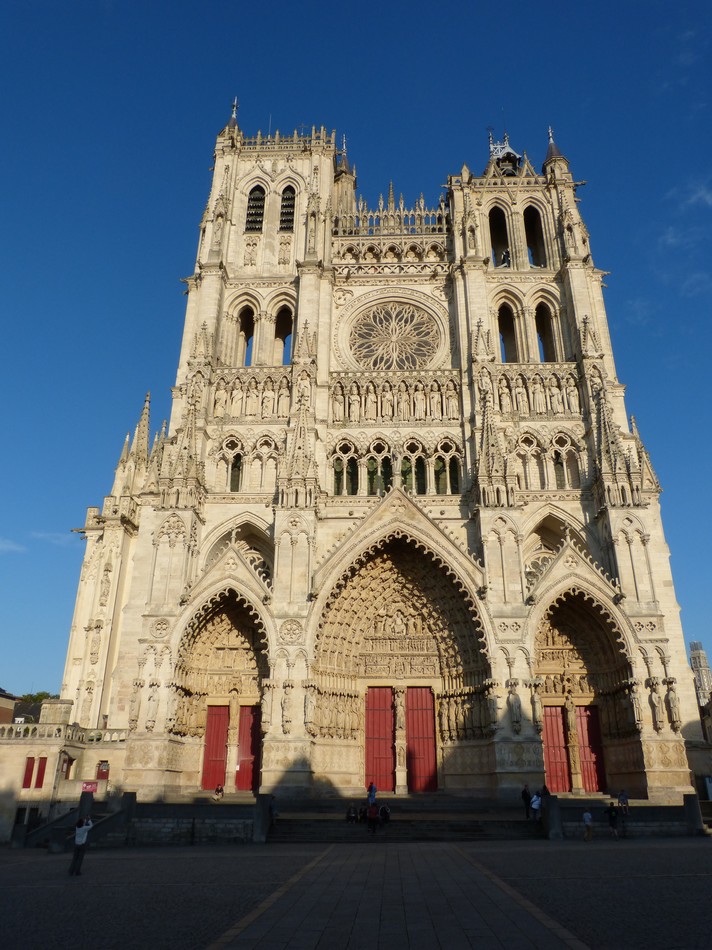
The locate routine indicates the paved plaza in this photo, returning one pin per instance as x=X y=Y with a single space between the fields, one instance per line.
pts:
x=608 y=894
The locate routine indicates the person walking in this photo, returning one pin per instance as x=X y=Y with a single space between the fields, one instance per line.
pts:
x=612 y=813
x=81 y=835
x=535 y=805
x=372 y=793
x=623 y=802
x=526 y=799
x=372 y=818
x=587 y=825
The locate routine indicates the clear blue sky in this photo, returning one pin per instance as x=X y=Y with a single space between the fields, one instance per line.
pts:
x=109 y=115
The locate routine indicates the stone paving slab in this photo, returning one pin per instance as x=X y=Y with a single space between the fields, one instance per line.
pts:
x=607 y=895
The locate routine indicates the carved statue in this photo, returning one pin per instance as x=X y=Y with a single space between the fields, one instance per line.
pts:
x=522 y=397
x=105 y=586
x=252 y=398
x=435 y=401
x=287 y=709
x=493 y=707
x=267 y=400
x=236 y=400
x=537 y=712
x=557 y=404
x=673 y=704
x=220 y=400
x=304 y=388
x=485 y=387
x=400 y=710
x=572 y=396
x=419 y=403
x=370 y=408
x=538 y=396
x=514 y=705
x=505 y=398
x=570 y=718
x=283 y=400
x=657 y=706
x=452 y=403
x=387 y=401
x=337 y=403
x=354 y=404
x=402 y=403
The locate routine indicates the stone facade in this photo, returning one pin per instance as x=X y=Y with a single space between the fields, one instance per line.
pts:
x=398 y=457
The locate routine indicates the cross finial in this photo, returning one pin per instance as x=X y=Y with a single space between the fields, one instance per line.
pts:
x=551 y=134
x=343 y=143
x=235 y=104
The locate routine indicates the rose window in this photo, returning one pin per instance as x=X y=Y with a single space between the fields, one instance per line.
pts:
x=394 y=336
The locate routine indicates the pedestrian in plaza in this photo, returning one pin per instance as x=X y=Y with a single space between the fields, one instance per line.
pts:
x=372 y=818
x=384 y=814
x=623 y=802
x=612 y=814
x=351 y=814
x=587 y=825
x=527 y=799
x=81 y=835
x=372 y=793
x=535 y=805
x=218 y=793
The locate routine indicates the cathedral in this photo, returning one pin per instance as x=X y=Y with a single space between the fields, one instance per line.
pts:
x=400 y=527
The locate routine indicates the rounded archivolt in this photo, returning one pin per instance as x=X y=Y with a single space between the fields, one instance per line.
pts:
x=394 y=336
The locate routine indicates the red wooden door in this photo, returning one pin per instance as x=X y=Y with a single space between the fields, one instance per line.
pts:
x=380 y=738
x=215 y=753
x=249 y=747
x=556 y=759
x=420 y=739
x=588 y=728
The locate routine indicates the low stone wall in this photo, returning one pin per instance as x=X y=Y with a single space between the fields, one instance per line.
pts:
x=188 y=831
x=660 y=828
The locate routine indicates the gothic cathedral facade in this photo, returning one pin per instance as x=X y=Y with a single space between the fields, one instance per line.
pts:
x=399 y=527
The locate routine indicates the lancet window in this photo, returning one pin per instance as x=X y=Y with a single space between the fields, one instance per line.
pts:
x=231 y=466
x=446 y=469
x=283 y=338
x=379 y=469
x=499 y=238
x=545 y=333
x=507 y=335
x=254 y=219
x=286 y=209
x=534 y=233
x=413 y=468
x=345 y=464
x=245 y=337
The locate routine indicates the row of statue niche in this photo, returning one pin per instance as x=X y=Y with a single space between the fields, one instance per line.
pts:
x=467 y=714
x=368 y=403
x=664 y=709
x=189 y=716
x=259 y=400
x=332 y=714
x=558 y=684
x=530 y=397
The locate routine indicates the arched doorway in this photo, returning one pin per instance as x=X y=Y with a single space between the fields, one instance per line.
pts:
x=400 y=680
x=221 y=666
x=591 y=731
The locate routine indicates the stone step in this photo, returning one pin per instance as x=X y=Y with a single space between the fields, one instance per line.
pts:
x=338 y=831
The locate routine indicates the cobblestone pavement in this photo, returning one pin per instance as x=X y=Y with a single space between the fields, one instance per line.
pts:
x=607 y=895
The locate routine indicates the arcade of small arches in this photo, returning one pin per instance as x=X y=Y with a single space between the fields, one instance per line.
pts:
x=382 y=466
x=240 y=468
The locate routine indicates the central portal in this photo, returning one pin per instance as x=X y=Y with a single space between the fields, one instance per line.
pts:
x=383 y=712
x=399 y=644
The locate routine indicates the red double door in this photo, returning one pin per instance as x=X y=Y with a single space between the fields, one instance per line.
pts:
x=590 y=744
x=421 y=762
x=249 y=745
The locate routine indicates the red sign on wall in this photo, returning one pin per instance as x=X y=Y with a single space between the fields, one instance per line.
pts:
x=89 y=786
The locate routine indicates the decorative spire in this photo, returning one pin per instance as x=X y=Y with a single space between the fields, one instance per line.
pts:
x=391 y=198
x=552 y=151
x=139 y=448
x=232 y=124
